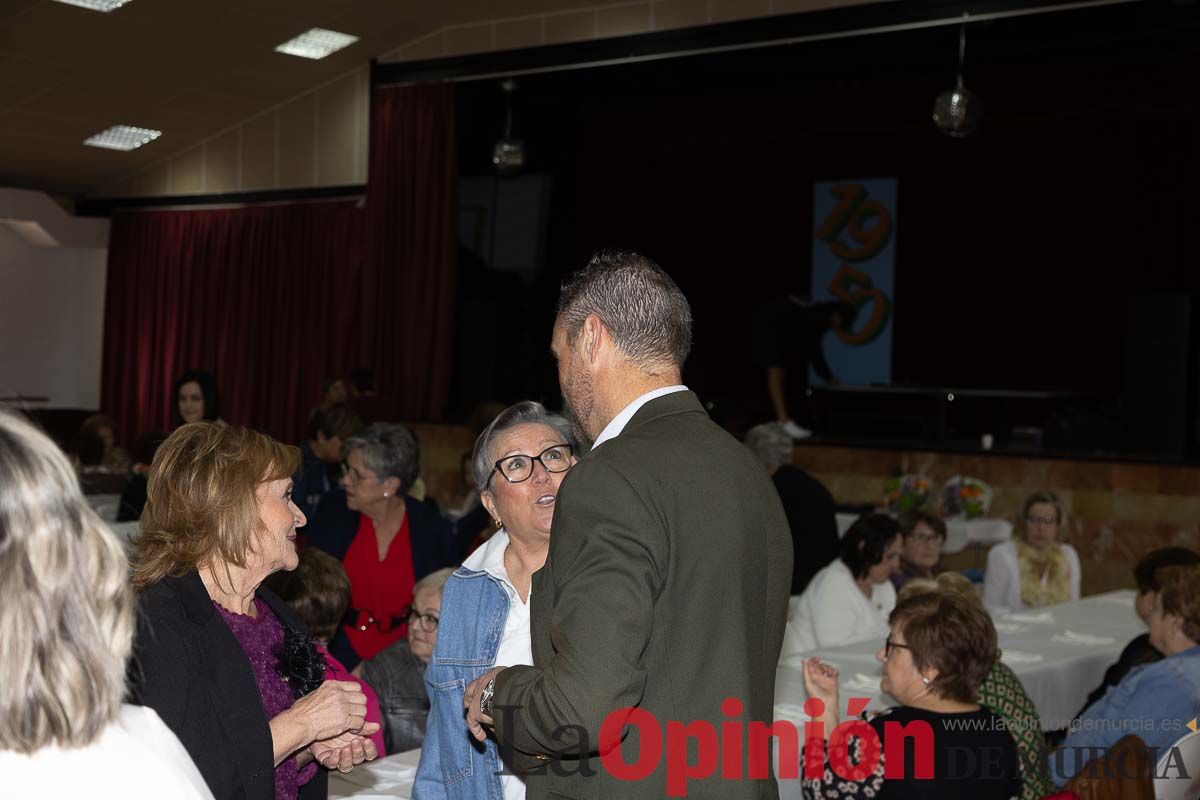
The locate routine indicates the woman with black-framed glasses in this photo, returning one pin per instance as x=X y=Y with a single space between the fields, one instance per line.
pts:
x=520 y=460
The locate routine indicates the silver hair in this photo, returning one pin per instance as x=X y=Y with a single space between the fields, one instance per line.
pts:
x=66 y=619
x=770 y=445
x=644 y=310
x=390 y=450
x=522 y=413
x=434 y=580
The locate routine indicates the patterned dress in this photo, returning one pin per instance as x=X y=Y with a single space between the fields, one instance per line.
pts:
x=1002 y=693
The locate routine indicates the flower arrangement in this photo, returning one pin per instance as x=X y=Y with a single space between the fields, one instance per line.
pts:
x=905 y=492
x=969 y=498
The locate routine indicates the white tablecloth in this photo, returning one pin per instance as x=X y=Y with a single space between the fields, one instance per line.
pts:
x=382 y=779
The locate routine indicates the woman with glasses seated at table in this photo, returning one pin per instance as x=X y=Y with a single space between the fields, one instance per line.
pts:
x=938 y=651
x=386 y=539
x=1036 y=568
x=923 y=535
x=398 y=673
x=1155 y=701
x=520 y=460
x=849 y=600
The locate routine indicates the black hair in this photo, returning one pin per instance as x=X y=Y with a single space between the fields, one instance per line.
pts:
x=1152 y=562
x=208 y=389
x=863 y=545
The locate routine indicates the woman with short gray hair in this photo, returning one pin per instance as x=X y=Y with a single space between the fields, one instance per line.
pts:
x=520 y=460
x=387 y=539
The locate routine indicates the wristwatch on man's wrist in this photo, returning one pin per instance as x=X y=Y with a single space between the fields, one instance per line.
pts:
x=485 y=697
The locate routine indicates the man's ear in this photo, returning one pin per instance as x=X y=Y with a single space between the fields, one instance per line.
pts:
x=591 y=338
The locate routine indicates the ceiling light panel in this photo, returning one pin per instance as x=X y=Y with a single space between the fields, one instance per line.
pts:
x=123 y=137
x=316 y=43
x=96 y=5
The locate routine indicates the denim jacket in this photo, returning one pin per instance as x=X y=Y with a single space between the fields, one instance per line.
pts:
x=1154 y=701
x=453 y=764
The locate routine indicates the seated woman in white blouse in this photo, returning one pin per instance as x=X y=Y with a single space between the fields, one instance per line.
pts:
x=850 y=599
x=1035 y=569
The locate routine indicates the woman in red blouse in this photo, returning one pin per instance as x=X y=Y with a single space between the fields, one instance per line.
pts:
x=398 y=541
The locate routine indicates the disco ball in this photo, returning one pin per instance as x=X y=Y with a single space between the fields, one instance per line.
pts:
x=957 y=111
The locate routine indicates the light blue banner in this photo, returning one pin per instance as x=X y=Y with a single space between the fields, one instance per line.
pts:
x=854 y=260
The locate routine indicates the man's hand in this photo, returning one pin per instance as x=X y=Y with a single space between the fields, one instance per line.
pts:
x=347 y=750
x=476 y=719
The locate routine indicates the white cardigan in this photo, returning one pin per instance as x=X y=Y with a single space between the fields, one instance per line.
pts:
x=833 y=611
x=1002 y=580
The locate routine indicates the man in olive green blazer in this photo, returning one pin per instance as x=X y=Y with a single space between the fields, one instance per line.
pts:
x=666 y=585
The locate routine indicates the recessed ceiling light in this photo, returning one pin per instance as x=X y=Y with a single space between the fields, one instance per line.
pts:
x=316 y=43
x=123 y=137
x=96 y=5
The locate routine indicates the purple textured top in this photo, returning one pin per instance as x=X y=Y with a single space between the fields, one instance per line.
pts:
x=260 y=638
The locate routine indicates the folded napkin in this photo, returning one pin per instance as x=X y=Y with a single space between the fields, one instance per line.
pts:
x=1010 y=627
x=1018 y=657
x=1036 y=617
x=1073 y=637
x=861 y=682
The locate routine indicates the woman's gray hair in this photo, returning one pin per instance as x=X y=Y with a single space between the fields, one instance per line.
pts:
x=523 y=413
x=66 y=618
x=390 y=450
x=770 y=445
x=434 y=581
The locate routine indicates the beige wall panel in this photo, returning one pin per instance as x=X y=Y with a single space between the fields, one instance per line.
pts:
x=362 y=126
x=336 y=131
x=518 y=33
x=156 y=180
x=680 y=14
x=432 y=46
x=297 y=142
x=472 y=39
x=187 y=172
x=623 y=21
x=571 y=27
x=221 y=163
x=725 y=10
x=258 y=153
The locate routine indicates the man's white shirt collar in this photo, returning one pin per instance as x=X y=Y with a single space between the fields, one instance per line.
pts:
x=614 y=428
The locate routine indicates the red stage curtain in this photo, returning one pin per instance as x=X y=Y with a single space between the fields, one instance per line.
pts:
x=274 y=299
x=412 y=246
x=263 y=297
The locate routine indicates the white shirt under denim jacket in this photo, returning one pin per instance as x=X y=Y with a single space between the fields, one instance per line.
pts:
x=483 y=624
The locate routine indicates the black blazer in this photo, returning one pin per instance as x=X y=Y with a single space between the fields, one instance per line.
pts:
x=189 y=667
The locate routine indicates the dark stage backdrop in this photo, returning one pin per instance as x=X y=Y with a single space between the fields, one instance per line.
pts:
x=274 y=299
x=1017 y=248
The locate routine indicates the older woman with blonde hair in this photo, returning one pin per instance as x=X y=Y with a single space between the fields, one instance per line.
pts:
x=66 y=628
x=226 y=663
x=1036 y=568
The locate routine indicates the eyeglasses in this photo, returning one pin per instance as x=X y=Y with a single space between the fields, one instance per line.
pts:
x=1049 y=521
x=351 y=475
x=519 y=467
x=924 y=538
x=888 y=645
x=422 y=622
